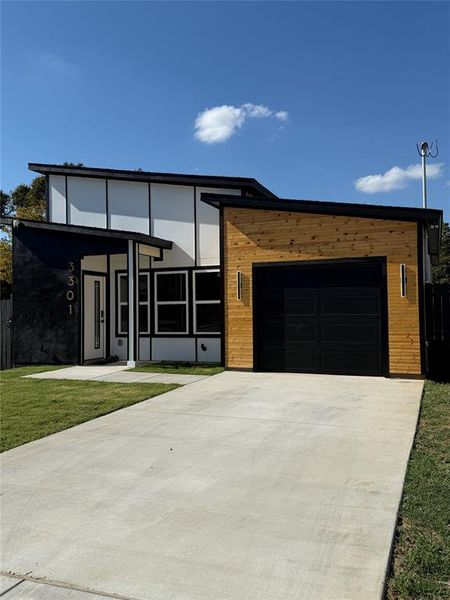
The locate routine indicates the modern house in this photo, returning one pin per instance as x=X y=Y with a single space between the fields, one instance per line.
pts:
x=143 y=266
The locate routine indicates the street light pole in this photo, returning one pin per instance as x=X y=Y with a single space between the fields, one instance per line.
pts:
x=423 y=153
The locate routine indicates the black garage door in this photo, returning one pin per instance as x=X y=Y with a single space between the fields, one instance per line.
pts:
x=326 y=317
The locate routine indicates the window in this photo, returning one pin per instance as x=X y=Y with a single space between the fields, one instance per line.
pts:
x=122 y=304
x=143 y=303
x=171 y=302
x=207 y=309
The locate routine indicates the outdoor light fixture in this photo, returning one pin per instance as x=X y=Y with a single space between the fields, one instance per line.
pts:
x=403 y=280
x=239 y=284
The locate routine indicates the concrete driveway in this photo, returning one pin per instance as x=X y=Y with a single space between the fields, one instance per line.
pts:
x=243 y=486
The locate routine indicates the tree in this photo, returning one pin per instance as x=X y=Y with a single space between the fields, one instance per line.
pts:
x=24 y=202
x=441 y=272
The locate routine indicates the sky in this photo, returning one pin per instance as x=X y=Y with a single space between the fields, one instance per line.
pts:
x=317 y=100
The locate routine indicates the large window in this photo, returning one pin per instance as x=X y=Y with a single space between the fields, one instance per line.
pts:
x=171 y=305
x=143 y=303
x=207 y=309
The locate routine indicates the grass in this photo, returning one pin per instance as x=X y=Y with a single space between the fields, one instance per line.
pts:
x=34 y=408
x=421 y=559
x=180 y=368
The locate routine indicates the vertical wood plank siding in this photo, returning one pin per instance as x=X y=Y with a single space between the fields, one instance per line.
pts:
x=253 y=236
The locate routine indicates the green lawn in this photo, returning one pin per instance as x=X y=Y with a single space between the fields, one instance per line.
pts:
x=33 y=408
x=421 y=559
x=180 y=368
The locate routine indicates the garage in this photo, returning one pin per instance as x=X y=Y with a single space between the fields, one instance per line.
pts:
x=321 y=317
x=325 y=287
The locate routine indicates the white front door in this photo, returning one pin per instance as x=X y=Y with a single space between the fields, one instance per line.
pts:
x=94 y=317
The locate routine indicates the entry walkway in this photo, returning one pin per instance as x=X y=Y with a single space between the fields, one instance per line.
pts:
x=115 y=374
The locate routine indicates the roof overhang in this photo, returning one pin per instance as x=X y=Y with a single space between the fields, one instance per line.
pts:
x=430 y=217
x=249 y=184
x=140 y=238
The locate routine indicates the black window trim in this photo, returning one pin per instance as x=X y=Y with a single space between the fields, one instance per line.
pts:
x=153 y=334
x=196 y=302
x=186 y=303
x=124 y=273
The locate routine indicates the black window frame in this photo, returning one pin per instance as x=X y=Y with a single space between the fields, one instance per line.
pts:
x=196 y=302
x=122 y=273
x=186 y=302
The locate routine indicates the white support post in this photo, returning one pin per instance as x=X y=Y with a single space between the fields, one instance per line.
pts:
x=131 y=360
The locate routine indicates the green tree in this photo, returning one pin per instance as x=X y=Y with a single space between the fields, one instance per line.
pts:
x=441 y=272
x=24 y=202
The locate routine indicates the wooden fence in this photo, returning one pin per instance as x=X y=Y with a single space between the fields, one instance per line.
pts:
x=5 y=333
x=437 y=323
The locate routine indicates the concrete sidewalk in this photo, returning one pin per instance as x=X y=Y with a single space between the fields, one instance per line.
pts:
x=12 y=588
x=115 y=374
x=242 y=486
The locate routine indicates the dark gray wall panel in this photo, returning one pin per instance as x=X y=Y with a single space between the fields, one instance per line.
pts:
x=45 y=328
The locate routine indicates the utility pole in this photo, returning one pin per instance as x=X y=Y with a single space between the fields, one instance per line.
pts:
x=425 y=151
x=423 y=154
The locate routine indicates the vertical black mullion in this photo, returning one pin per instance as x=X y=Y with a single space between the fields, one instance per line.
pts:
x=47 y=197
x=149 y=209
x=151 y=287
x=107 y=203
x=222 y=286
x=195 y=226
x=67 y=201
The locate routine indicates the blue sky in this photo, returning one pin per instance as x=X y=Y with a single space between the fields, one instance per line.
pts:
x=308 y=97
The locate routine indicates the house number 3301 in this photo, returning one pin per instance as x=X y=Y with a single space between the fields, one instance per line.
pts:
x=70 y=293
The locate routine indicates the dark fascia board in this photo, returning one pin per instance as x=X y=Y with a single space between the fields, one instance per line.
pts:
x=141 y=238
x=370 y=211
x=247 y=183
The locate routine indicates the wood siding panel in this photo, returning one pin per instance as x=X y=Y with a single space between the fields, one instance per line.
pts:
x=255 y=236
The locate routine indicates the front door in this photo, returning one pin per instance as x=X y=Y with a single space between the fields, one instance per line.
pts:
x=94 y=317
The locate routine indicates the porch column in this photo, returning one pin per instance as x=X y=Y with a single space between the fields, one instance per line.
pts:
x=132 y=317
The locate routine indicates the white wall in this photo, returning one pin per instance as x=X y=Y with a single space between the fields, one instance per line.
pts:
x=211 y=352
x=97 y=263
x=173 y=209
x=144 y=348
x=87 y=201
x=173 y=349
x=208 y=234
x=57 y=199
x=173 y=219
x=128 y=204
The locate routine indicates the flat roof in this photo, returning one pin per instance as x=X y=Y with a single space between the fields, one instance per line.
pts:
x=142 y=238
x=374 y=211
x=247 y=183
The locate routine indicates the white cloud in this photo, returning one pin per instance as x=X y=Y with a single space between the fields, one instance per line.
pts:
x=282 y=115
x=396 y=178
x=219 y=123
